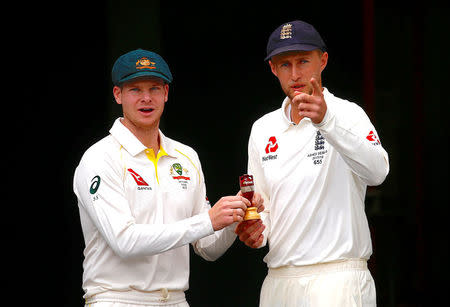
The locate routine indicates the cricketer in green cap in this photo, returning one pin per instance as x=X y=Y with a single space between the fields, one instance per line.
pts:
x=142 y=199
x=141 y=86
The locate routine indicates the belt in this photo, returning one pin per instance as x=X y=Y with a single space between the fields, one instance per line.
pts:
x=134 y=296
x=327 y=267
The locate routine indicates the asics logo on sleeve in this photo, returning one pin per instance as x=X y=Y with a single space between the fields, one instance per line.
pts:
x=272 y=146
x=95 y=184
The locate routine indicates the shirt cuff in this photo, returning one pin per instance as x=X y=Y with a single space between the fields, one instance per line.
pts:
x=202 y=225
x=326 y=119
x=231 y=228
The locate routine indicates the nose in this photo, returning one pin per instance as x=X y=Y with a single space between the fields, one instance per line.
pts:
x=295 y=73
x=146 y=96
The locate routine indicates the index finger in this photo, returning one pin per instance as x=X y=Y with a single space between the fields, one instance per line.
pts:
x=239 y=202
x=246 y=202
x=258 y=201
x=316 y=87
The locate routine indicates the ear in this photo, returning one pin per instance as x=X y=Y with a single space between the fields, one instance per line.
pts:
x=272 y=67
x=166 y=90
x=323 y=61
x=117 y=92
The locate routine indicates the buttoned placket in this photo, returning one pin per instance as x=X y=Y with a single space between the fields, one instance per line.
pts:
x=151 y=156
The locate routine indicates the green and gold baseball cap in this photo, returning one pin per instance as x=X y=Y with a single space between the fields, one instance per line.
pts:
x=140 y=63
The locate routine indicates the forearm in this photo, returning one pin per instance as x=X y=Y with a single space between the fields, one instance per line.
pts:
x=215 y=245
x=109 y=211
x=366 y=158
x=152 y=239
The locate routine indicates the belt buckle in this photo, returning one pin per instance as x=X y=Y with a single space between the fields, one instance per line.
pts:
x=165 y=295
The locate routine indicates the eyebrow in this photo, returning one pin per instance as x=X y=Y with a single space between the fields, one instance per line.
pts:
x=136 y=84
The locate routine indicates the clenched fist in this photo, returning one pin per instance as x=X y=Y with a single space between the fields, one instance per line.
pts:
x=228 y=210
x=250 y=232
x=312 y=106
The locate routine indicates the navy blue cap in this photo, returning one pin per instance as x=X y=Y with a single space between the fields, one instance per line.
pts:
x=294 y=36
x=140 y=63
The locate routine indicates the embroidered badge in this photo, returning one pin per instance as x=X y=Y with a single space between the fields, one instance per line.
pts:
x=145 y=63
x=319 y=149
x=183 y=178
x=286 y=31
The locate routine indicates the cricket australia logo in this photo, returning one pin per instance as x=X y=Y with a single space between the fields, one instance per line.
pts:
x=180 y=174
x=144 y=62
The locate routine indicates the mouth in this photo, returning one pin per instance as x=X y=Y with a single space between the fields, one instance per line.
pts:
x=146 y=110
x=298 y=87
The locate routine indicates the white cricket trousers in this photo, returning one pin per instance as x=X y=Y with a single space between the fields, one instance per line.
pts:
x=345 y=283
x=138 y=299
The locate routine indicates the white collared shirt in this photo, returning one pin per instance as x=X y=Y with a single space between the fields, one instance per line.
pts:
x=313 y=179
x=139 y=213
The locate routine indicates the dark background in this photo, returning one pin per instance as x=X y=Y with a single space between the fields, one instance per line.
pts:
x=391 y=60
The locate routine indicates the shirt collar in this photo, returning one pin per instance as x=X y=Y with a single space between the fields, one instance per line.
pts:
x=131 y=144
x=285 y=111
x=286 y=121
x=167 y=145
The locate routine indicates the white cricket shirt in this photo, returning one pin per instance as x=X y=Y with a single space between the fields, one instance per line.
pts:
x=138 y=213
x=313 y=179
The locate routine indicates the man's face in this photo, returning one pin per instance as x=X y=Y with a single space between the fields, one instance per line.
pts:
x=295 y=69
x=142 y=101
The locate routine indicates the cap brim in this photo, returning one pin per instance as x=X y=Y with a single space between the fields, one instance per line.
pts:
x=295 y=47
x=146 y=73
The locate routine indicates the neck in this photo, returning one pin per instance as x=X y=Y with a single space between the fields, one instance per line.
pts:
x=148 y=136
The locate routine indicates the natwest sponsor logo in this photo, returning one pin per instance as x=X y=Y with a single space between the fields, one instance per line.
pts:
x=373 y=138
x=271 y=147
